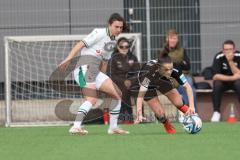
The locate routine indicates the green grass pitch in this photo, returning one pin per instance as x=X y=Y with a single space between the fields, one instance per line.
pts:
x=216 y=141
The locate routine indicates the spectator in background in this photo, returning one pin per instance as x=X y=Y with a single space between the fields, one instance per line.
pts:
x=226 y=70
x=180 y=61
x=123 y=68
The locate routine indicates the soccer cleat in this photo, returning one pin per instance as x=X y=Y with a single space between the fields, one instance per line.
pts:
x=216 y=117
x=117 y=131
x=169 y=127
x=78 y=130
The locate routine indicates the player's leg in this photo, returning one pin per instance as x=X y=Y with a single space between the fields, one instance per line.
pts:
x=85 y=80
x=176 y=99
x=90 y=96
x=166 y=88
x=218 y=88
x=105 y=84
x=236 y=87
x=157 y=108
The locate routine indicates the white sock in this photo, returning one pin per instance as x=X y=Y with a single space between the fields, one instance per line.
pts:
x=114 y=115
x=82 y=113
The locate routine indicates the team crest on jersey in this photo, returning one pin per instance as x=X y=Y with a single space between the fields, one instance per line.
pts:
x=145 y=82
x=109 y=46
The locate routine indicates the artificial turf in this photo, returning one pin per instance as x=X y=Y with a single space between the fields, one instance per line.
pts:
x=220 y=141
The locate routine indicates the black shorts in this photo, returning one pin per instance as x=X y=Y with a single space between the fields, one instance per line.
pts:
x=163 y=86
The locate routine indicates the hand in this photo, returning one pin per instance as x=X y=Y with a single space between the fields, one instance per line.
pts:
x=190 y=111
x=229 y=57
x=139 y=118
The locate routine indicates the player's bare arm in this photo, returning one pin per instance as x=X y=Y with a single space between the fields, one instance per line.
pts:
x=64 y=64
x=223 y=77
x=189 y=92
x=141 y=94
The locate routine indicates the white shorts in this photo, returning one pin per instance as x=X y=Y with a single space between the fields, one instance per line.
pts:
x=101 y=77
x=80 y=73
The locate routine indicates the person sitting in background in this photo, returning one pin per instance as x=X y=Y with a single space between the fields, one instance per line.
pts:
x=226 y=75
x=180 y=61
x=123 y=68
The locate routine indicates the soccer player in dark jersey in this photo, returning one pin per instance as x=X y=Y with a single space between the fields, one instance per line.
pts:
x=159 y=75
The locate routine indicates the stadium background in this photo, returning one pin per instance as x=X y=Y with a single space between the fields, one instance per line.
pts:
x=203 y=25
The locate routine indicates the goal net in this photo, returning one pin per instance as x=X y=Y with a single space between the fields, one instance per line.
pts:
x=33 y=97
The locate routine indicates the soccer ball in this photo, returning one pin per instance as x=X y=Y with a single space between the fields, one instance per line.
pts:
x=192 y=124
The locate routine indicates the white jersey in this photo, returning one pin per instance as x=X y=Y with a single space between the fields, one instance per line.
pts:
x=99 y=44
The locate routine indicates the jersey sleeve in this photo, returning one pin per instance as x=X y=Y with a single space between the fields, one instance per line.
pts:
x=179 y=76
x=182 y=79
x=92 y=38
x=144 y=75
x=216 y=66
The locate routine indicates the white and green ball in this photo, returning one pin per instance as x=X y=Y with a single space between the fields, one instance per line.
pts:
x=192 y=124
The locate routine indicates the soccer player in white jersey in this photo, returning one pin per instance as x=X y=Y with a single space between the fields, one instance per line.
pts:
x=99 y=45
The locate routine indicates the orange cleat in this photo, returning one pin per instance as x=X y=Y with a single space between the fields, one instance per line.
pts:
x=169 y=127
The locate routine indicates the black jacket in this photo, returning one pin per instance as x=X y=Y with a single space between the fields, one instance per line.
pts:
x=121 y=68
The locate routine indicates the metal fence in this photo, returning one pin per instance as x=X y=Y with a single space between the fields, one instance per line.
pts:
x=203 y=25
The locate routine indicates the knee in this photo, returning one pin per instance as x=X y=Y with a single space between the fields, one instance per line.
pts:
x=237 y=87
x=93 y=101
x=120 y=94
x=217 y=85
x=116 y=94
x=237 y=83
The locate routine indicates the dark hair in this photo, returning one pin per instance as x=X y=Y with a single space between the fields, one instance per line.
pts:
x=230 y=42
x=171 y=32
x=164 y=59
x=118 y=17
x=122 y=39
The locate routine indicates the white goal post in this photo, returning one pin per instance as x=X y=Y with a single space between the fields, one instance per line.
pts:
x=29 y=62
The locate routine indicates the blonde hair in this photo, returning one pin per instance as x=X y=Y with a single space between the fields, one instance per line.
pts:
x=171 y=32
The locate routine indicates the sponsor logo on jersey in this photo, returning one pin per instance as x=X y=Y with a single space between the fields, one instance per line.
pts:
x=145 y=82
x=224 y=66
x=98 y=52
